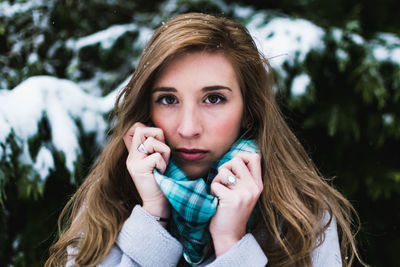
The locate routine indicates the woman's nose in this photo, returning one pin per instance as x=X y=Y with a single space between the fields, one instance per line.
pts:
x=190 y=125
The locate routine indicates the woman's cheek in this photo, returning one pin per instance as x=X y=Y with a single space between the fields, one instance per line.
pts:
x=227 y=127
x=161 y=121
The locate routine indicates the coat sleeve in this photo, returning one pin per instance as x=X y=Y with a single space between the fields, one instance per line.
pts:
x=247 y=252
x=142 y=241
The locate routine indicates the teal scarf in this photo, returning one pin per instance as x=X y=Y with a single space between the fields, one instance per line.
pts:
x=192 y=204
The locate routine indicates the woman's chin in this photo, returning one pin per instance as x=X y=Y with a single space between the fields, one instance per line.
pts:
x=195 y=172
x=193 y=169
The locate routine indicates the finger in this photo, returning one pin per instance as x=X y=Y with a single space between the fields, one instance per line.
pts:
x=153 y=145
x=247 y=182
x=129 y=135
x=139 y=137
x=142 y=133
x=155 y=160
x=237 y=167
x=223 y=176
x=253 y=163
x=219 y=190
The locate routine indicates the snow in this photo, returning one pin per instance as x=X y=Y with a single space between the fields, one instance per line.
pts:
x=62 y=102
x=44 y=162
x=388 y=119
x=9 y=10
x=169 y=6
x=337 y=34
x=242 y=11
x=106 y=37
x=285 y=36
x=17 y=47
x=342 y=55
x=145 y=34
x=387 y=48
x=33 y=58
x=390 y=39
x=382 y=53
x=357 y=39
x=396 y=55
x=299 y=84
x=39 y=39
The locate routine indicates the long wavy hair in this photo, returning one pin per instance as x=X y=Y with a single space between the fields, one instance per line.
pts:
x=297 y=203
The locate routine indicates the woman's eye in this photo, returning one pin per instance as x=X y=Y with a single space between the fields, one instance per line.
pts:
x=214 y=99
x=167 y=100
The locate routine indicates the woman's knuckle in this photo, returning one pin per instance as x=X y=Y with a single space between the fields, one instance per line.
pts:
x=159 y=131
x=255 y=157
x=157 y=156
x=237 y=159
x=134 y=126
x=256 y=194
x=239 y=154
x=212 y=186
x=138 y=130
x=260 y=187
x=255 y=187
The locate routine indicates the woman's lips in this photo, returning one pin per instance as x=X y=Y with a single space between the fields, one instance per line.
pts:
x=190 y=154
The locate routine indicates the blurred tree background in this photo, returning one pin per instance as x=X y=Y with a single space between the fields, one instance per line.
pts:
x=341 y=96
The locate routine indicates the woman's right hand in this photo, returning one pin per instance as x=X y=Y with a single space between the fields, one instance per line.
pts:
x=141 y=165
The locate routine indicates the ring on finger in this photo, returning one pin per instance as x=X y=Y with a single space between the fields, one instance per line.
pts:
x=231 y=179
x=141 y=148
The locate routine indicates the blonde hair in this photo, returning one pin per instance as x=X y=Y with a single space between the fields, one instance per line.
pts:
x=295 y=197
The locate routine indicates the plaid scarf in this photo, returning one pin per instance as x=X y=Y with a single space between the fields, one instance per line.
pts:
x=192 y=204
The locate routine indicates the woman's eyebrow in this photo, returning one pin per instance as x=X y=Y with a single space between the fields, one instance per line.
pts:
x=215 y=87
x=205 y=89
x=164 y=89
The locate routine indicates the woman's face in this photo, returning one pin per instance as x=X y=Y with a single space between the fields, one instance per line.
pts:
x=197 y=102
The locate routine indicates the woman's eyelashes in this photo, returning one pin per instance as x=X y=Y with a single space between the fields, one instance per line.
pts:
x=215 y=99
x=167 y=99
x=211 y=99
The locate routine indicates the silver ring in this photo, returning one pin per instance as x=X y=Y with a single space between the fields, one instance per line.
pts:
x=231 y=179
x=142 y=149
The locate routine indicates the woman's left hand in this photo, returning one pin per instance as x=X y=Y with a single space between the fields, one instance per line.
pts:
x=236 y=201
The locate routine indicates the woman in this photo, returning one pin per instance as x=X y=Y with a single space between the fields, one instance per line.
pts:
x=200 y=105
